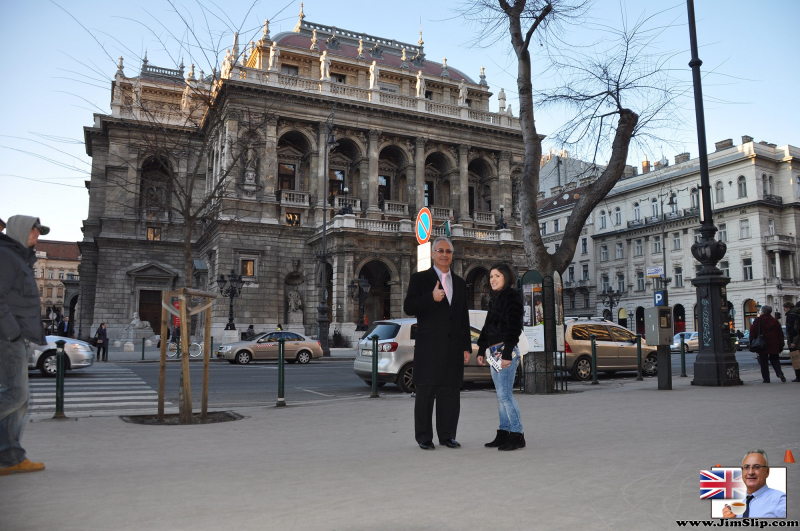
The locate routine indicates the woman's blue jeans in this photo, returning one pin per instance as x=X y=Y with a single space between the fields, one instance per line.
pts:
x=507 y=404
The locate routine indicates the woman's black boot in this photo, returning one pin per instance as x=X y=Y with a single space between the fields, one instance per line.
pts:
x=502 y=437
x=514 y=442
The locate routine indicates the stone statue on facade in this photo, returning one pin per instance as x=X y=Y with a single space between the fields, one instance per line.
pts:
x=360 y=49
x=225 y=70
x=501 y=99
x=274 y=53
x=295 y=303
x=462 y=94
x=314 y=45
x=509 y=111
x=325 y=66
x=420 y=85
x=374 y=72
x=138 y=324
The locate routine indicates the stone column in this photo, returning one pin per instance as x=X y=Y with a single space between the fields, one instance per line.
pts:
x=363 y=183
x=270 y=160
x=503 y=194
x=317 y=172
x=373 y=210
x=462 y=191
x=419 y=174
x=778 y=266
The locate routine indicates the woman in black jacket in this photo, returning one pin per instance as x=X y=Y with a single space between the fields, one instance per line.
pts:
x=102 y=342
x=500 y=335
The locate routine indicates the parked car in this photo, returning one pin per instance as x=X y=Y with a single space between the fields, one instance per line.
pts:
x=43 y=357
x=396 y=339
x=297 y=348
x=744 y=342
x=616 y=349
x=691 y=341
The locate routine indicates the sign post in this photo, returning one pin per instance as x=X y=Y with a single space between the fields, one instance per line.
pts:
x=423 y=228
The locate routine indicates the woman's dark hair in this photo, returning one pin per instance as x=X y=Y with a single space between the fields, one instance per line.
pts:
x=508 y=274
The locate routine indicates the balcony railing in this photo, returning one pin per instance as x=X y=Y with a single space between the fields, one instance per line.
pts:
x=483 y=217
x=377 y=225
x=354 y=202
x=292 y=197
x=778 y=238
x=395 y=208
x=774 y=199
x=491 y=235
x=441 y=212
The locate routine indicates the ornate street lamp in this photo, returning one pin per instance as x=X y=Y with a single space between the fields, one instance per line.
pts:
x=361 y=288
x=502 y=225
x=346 y=208
x=610 y=299
x=715 y=364
x=233 y=290
x=322 y=307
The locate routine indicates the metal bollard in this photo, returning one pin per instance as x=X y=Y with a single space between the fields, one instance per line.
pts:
x=281 y=360
x=142 y=349
x=374 y=367
x=683 y=358
x=211 y=349
x=60 y=369
x=594 y=359
x=639 y=358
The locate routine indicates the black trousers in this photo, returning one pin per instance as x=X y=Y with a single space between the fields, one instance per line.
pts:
x=765 y=360
x=448 y=407
x=102 y=347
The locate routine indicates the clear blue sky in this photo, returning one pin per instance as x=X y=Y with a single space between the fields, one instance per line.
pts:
x=56 y=75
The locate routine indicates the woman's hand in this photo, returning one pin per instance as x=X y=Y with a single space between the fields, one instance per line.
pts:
x=480 y=360
x=505 y=363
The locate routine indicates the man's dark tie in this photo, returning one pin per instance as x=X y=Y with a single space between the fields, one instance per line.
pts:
x=747 y=511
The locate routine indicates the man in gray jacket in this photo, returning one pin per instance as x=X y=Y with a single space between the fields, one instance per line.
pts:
x=20 y=322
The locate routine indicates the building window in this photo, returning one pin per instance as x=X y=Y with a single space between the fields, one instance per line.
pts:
x=654 y=207
x=544 y=227
x=676 y=241
x=50 y=274
x=720 y=191
x=697 y=236
x=60 y=293
x=34 y=273
x=49 y=292
x=61 y=275
x=572 y=302
x=773 y=267
x=603 y=253
x=640 y=280
x=617 y=216
x=722 y=235
x=764 y=184
x=248 y=267
x=571 y=274
x=292 y=219
x=338 y=78
x=637 y=213
x=286 y=173
x=656 y=244
x=744 y=228
x=586 y=301
x=619 y=250
x=747 y=269
x=771 y=227
x=606 y=284
x=742 y=185
x=694 y=197
x=602 y=219
x=584 y=246
x=678 y=277
x=289 y=70
x=585 y=272
x=621 y=283
x=154 y=234
x=384 y=188
x=41 y=291
x=637 y=248
x=428 y=193
x=726 y=268
x=555 y=225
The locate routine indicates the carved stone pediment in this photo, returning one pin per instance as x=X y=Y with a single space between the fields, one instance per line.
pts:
x=152 y=272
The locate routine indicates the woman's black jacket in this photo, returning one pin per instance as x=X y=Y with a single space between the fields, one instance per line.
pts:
x=503 y=322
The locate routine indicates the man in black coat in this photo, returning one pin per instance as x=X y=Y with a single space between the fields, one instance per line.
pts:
x=65 y=328
x=438 y=298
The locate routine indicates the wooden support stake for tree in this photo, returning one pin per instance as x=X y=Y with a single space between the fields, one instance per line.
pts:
x=186 y=398
x=206 y=356
x=162 y=364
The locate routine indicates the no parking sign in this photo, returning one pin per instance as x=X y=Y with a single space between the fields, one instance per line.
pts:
x=423 y=229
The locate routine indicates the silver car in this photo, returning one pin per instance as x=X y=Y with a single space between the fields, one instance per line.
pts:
x=396 y=339
x=691 y=342
x=43 y=357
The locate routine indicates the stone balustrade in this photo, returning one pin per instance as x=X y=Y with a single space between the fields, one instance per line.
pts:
x=292 y=197
x=441 y=212
x=483 y=217
x=395 y=208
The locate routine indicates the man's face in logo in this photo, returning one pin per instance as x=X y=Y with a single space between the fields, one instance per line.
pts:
x=754 y=472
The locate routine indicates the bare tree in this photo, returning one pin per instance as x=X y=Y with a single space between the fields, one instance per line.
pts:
x=613 y=91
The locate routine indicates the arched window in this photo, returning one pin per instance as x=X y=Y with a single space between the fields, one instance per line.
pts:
x=154 y=190
x=769 y=185
x=617 y=216
x=602 y=219
x=720 y=191
x=742 y=185
x=654 y=205
x=694 y=194
x=636 y=212
x=764 y=188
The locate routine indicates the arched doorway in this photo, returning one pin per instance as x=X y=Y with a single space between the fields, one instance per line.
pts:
x=750 y=312
x=378 y=303
x=679 y=318
x=622 y=318
x=478 y=289
x=640 y=320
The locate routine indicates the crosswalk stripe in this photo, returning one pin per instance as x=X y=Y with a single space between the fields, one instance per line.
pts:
x=101 y=404
x=100 y=393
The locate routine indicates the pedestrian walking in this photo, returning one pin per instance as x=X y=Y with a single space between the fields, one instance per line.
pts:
x=766 y=325
x=793 y=333
x=101 y=336
x=500 y=336
x=65 y=328
x=249 y=334
x=20 y=322
x=438 y=298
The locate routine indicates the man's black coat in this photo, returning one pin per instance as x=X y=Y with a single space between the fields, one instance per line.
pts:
x=442 y=330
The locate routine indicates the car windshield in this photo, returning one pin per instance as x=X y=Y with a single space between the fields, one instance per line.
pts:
x=383 y=330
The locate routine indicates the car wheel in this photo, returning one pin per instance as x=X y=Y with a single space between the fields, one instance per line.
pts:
x=369 y=383
x=243 y=357
x=48 y=364
x=582 y=370
x=303 y=357
x=405 y=379
x=650 y=365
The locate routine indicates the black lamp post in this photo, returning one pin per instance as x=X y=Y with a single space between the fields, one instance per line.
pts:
x=233 y=290
x=346 y=208
x=322 y=307
x=361 y=288
x=610 y=299
x=502 y=225
x=715 y=364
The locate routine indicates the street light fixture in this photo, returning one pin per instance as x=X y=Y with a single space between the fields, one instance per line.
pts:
x=502 y=225
x=322 y=307
x=610 y=299
x=361 y=288
x=346 y=208
x=233 y=290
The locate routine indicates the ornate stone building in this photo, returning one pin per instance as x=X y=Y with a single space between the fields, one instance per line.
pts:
x=408 y=133
x=56 y=273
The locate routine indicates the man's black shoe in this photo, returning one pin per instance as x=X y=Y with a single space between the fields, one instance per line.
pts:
x=450 y=443
x=427 y=445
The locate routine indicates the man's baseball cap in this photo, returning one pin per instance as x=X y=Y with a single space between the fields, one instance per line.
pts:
x=43 y=230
